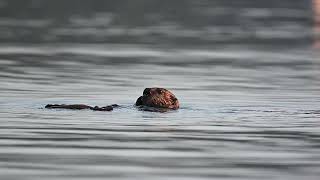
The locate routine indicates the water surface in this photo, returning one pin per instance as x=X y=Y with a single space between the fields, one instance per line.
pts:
x=245 y=74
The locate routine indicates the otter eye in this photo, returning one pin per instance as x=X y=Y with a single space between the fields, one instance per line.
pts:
x=160 y=91
x=146 y=91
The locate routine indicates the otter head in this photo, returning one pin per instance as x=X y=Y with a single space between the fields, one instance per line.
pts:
x=158 y=98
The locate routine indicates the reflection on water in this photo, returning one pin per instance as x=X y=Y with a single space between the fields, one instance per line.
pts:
x=188 y=22
x=245 y=75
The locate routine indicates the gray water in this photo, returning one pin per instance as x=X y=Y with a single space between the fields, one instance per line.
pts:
x=244 y=71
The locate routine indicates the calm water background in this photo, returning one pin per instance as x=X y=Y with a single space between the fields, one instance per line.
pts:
x=244 y=71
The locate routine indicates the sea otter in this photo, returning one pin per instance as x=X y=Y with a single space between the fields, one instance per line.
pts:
x=158 y=98
x=152 y=97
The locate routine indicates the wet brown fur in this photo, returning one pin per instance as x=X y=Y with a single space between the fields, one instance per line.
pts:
x=158 y=98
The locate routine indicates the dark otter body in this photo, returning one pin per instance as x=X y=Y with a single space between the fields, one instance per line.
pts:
x=152 y=97
x=81 y=106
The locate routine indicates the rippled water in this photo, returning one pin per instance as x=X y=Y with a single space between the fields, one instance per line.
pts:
x=245 y=74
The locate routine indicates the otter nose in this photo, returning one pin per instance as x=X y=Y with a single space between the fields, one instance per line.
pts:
x=147 y=91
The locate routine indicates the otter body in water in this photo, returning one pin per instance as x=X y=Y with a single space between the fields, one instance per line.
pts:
x=152 y=97
x=81 y=106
